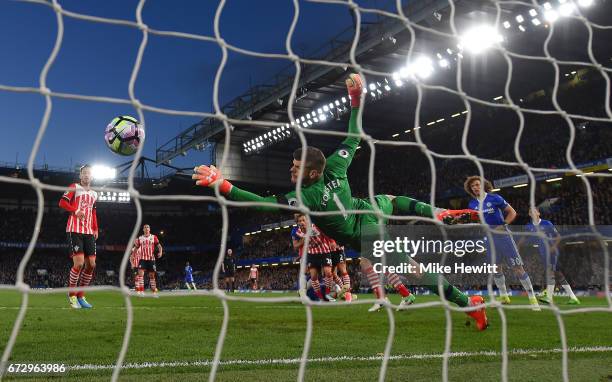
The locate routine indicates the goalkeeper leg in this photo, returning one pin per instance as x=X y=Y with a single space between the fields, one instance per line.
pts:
x=406 y=206
x=402 y=205
x=452 y=294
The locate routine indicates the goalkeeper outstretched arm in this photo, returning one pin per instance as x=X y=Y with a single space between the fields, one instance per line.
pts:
x=337 y=163
x=211 y=177
x=340 y=160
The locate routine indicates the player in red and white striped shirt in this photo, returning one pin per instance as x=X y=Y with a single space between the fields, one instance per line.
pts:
x=147 y=244
x=81 y=233
x=318 y=254
x=253 y=273
x=323 y=243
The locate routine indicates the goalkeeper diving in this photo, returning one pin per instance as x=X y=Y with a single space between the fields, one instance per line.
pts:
x=325 y=188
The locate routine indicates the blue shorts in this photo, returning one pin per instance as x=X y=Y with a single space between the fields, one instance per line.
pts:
x=505 y=249
x=188 y=279
x=554 y=257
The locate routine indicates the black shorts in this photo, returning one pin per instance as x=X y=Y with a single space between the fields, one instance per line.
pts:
x=319 y=261
x=253 y=280
x=80 y=243
x=229 y=273
x=147 y=265
x=337 y=257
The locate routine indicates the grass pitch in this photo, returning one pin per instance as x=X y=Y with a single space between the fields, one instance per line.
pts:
x=174 y=338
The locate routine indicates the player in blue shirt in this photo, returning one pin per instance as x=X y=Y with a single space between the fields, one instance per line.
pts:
x=189 y=277
x=549 y=255
x=498 y=214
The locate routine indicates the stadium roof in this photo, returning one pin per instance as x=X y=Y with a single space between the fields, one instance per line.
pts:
x=384 y=47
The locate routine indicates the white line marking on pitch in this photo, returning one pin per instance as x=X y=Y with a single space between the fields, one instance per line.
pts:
x=155 y=307
x=291 y=361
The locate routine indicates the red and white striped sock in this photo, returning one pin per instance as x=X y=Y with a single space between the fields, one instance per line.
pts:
x=346 y=281
x=139 y=283
x=85 y=280
x=73 y=279
x=337 y=279
x=374 y=281
x=152 y=282
x=398 y=285
x=317 y=288
x=329 y=283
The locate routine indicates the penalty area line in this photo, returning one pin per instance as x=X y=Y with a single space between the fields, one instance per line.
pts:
x=292 y=361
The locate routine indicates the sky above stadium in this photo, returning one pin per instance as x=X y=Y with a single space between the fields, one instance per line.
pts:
x=97 y=59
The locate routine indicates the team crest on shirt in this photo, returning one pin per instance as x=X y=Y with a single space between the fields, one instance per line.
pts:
x=488 y=204
x=343 y=153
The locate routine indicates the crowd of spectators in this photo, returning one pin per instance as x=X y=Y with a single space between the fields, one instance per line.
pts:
x=406 y=170
x=116 y=223
x=276 y=243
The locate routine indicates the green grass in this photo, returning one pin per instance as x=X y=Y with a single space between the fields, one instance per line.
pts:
x=186 y=329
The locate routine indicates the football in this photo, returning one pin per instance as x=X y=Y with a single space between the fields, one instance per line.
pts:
x=124 y=134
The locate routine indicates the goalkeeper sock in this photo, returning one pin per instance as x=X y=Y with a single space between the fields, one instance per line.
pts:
x=403 y=205
x=451 y=293
x=85 y=280
x=526 y=283
x=500 y=283
x=397 y=284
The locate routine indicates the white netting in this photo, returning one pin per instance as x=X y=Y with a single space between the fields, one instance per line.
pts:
x=358 y=11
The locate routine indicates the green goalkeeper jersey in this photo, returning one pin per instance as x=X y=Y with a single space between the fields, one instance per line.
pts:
x=330 y=193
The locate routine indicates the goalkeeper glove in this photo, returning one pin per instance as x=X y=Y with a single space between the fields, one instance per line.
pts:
x=210 y=177
x=354 y=85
